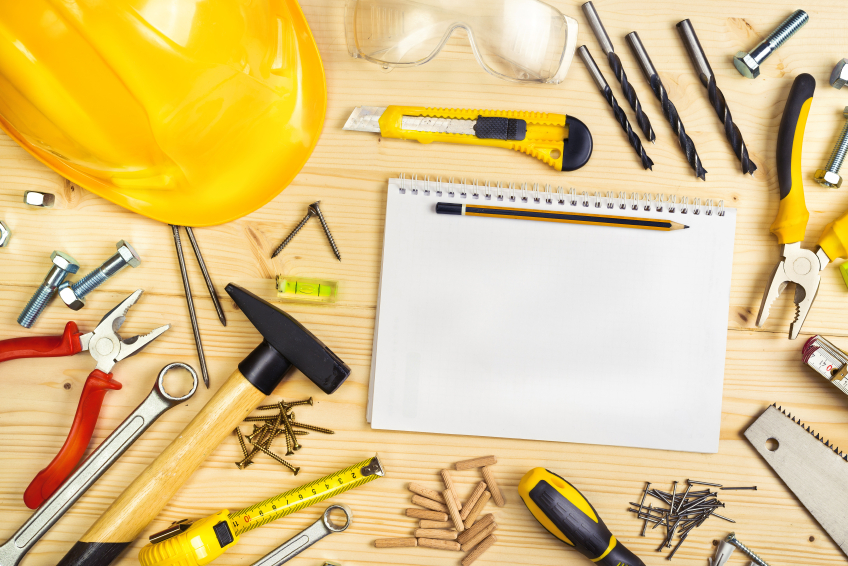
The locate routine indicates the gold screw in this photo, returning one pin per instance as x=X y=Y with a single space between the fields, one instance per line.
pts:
x=312 y=427
x=295 y=444
x=296 y=403
x=289 y=451
x=280 y=460
x=300 y=432
x=259 y=420
x=241 y=441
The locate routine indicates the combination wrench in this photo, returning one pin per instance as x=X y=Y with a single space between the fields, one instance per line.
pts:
x=156 y=404
x=306 y=538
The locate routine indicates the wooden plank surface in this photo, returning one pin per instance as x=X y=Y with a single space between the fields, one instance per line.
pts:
x=348 y=172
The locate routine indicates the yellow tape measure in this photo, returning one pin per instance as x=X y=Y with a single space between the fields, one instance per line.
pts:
x=194 y=544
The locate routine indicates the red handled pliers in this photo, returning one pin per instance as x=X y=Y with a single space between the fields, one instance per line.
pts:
x=107 y=349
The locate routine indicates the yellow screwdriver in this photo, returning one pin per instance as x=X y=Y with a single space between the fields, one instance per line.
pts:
x=567 y=515
x=187 y=543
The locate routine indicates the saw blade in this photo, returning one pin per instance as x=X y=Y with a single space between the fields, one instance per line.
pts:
x=814 y=469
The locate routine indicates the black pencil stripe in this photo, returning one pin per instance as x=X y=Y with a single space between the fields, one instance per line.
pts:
x=565 y=216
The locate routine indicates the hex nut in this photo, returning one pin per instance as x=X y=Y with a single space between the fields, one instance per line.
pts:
x=43 y=200
x=5 y=234
x=746 y=65
x=828 y=179
x=839 y=76
x=128 y=253
x=65 y=262
x=69 y=297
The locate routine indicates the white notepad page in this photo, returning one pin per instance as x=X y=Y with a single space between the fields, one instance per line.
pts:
x=551 y=331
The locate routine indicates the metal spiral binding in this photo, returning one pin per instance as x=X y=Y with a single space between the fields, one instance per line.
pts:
x=598 y=199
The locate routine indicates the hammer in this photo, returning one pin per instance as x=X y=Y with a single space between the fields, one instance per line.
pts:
x=286 y=344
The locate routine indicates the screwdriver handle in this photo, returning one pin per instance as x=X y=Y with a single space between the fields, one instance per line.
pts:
x=569 y=516
x=792 y=216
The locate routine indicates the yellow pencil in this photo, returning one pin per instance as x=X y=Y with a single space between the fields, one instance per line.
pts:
x=550 y=216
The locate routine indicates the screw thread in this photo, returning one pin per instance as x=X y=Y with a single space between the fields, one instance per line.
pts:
x=837 y=156
x=329 y=236
x=788 y=28
x=292 y=234
x=36 y=305
x=89 y=283
x=747 y=551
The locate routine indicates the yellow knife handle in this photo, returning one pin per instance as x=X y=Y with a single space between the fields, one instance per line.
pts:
x=569 y=516
x=792 y=216
x=560 y=141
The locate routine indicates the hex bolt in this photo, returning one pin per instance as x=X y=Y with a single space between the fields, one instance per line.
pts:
x=829 y=176
x=317 y=211
x=41 y=200
x=731 y=538
x=5 y=234
x=839 y=75
x=74 y=294
x=748 y=64
x=63 y=265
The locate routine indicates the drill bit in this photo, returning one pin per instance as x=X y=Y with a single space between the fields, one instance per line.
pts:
x=616 y=109
x=669 y=111
x=707 y=77
x=618 y=70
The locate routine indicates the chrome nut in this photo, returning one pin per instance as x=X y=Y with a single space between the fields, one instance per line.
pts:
x=69 y=297
x=43 y=200
x=828 y=179
x=5 y=234
x=64 y=262
x=746 y=65
x=839 y=76
x=128 y=253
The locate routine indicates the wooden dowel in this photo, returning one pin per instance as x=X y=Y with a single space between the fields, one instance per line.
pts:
x=497 y=494
x=476 y=463
x=468 y=534
x=446 y=477
x=474 y=541
x=478 y=552
x=453 y=510
x=442 y=534
x=437 y=543
x=429 y=504
x=427 y=524
x=426 y=514
x=424 y=491
x=478 y=491
x=395 y=542
x=469 y=521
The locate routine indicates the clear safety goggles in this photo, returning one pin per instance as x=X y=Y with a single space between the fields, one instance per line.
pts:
x=516 y=40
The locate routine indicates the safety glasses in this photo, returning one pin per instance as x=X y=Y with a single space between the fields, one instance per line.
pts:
x=516 y=40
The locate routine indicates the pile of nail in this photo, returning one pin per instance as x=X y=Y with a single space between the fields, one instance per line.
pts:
x=283 y=423
x=686 y=511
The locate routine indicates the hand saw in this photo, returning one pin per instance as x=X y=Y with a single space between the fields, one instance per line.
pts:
x=814 y=469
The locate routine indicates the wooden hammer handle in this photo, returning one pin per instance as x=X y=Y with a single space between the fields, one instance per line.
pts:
x=145 y=497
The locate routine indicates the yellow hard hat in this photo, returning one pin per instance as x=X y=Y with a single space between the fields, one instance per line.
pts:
x=190 y=112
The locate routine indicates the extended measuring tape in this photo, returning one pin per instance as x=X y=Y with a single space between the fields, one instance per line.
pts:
x=187 y=543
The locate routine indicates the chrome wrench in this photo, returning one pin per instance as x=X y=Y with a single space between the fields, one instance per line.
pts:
x=306 y=538
x=13 y=550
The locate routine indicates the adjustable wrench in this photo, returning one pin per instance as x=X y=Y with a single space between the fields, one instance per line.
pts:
x=13 y=550
x=306 y=538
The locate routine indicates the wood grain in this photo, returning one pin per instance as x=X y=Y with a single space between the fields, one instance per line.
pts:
x=348 y=173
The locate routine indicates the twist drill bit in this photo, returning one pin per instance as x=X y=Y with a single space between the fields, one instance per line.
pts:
x=618 y=70
x=669 y=111
x=707 y=77
x=647 y=163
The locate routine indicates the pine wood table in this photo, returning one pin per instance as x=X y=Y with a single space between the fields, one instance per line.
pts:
x=348 y=173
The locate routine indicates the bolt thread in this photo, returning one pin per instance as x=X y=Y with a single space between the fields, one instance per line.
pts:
x=36 y=305
x=292 y=235
x=837 y=156
x=89 y=283
x=748 y=552
x=788 y=28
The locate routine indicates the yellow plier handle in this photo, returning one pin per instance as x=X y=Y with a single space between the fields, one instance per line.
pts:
x=792 y=216
x=561 y=141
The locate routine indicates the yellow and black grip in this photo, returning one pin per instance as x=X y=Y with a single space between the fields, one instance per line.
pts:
x=567 y=515
x=792 y=216
x=199 y=544
x=563 y=142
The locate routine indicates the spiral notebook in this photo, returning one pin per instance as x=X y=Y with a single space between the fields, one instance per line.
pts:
x=549 y=331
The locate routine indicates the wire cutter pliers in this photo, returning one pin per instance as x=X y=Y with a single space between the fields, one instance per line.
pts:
x=799 y=266
x=107 y=349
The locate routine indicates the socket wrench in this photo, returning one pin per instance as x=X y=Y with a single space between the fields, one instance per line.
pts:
x=159 y=401
x=306 y=538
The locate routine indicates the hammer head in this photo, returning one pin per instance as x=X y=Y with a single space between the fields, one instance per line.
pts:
x=288 y=338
